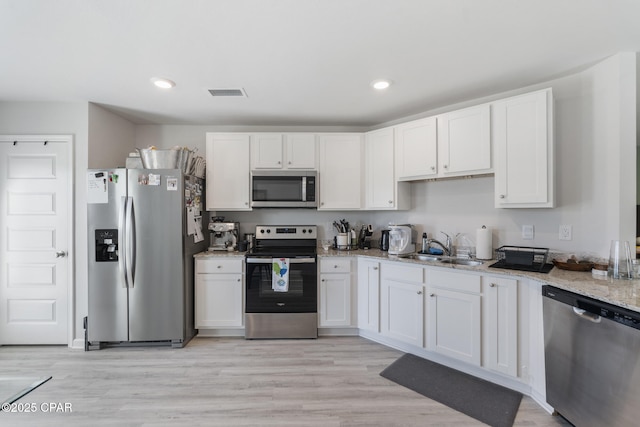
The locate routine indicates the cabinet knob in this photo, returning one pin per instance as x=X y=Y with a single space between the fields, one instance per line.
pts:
x=239 y=280
x=335 y=266
x=493 y=285
x=289 y=161
x=322 y=204
x=419 y=292
x=279 y=162
x=390 y=202
x=246 y=203
x=375 y=268
x=322 y=280
x=445 y=166
x=433 y=168
x=219 y=266
x=502 y=196
x=432 y=295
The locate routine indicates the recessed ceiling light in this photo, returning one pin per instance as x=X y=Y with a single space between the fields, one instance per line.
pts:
x=380 y=84
x=163 y=83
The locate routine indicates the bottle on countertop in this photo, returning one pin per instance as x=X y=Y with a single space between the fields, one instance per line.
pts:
x=425 y=243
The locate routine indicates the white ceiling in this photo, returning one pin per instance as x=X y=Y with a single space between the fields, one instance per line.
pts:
x=301 y=62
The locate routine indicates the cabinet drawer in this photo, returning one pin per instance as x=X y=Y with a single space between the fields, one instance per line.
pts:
x=213 y=265
x=454 y=281
x=403 y=273
x=335 y=265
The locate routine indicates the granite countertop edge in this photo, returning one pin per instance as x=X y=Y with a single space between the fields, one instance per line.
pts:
x=622 y=293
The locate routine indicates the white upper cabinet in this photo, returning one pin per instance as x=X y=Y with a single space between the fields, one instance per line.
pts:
x=300 y=151
x=267 y=151
x=382 y=190
x=416 y=149
x=523 y=143
x=283 y=151
x=340 y=173
x=227 y=157
x=464 y=142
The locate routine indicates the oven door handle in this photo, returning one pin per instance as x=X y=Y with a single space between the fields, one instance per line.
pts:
x=291 y=260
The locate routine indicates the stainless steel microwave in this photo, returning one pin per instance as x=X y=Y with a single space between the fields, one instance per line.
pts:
x=284 y=189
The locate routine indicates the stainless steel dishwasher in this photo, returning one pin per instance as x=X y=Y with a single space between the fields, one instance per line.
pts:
x=592 y=358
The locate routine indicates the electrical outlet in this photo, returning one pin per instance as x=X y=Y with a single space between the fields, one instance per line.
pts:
x=564 y=232
x=527 y=232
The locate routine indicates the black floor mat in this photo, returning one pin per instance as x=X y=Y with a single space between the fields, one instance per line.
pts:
x=487 y=402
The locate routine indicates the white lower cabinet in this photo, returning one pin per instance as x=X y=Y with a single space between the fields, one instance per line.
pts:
x=500 y=324
x=369 y=294
x=402 y=303
x=334 y=306
x=453 y=315
x=219 y=293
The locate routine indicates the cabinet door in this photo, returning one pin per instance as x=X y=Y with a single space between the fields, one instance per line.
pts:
x=401 y=311
x=464 y=141
x=369 y=295
x=523 y=142
x=500 y=324
x=218 y=300
x=453 y=324
x=228 y=177
x=340 y=172
x=266 y=151
x=335 y=300
x=416 y=149
x=382 y=190
x=301 y=151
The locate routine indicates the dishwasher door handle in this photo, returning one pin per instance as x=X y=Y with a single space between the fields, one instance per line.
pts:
x=585 y=315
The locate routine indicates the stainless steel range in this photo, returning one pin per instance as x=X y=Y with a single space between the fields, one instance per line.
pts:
x=282 y=283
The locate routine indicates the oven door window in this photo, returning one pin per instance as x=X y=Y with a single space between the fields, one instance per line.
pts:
x=277 y=189
x=300 y=298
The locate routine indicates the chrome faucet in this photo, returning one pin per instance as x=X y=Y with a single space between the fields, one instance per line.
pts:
x=446 y=247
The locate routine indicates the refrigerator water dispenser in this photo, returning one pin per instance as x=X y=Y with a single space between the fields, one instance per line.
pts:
x=107 y=245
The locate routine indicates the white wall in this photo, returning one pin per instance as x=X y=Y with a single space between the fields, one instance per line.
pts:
x=112 y=138
x=62 y=119
x=595 y=142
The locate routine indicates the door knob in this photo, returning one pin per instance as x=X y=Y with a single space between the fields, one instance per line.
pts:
x=60 y=254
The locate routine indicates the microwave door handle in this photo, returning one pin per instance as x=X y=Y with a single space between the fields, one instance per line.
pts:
x=304 y=188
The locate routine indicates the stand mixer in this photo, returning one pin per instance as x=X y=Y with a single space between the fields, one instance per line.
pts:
x=223 y=236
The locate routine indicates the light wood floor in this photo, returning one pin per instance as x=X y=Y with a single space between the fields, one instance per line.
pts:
x=231 y=382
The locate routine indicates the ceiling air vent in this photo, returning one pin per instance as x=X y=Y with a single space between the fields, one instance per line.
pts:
x=228 y=92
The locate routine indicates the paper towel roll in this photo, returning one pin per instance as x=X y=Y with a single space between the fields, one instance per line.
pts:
x=484 y=243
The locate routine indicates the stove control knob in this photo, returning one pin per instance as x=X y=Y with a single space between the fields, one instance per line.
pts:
x=304 y=230
x=262 y=230
x=268 y=230
x=310 y=231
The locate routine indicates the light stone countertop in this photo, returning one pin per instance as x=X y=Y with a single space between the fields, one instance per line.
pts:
x=623 y=293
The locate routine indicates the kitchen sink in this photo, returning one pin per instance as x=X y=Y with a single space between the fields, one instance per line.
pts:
x=425 y=257
x=460 y=261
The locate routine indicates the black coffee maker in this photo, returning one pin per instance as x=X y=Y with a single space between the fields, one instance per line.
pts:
x=364 y=240
x=384 y=240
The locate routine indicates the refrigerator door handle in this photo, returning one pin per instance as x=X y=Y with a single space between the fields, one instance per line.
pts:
x=122 y=261
x=130 y=243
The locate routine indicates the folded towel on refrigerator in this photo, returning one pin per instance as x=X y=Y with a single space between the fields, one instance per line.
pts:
x=280 y=275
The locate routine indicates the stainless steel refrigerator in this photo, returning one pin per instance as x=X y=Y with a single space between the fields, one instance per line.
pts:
x=144 y=226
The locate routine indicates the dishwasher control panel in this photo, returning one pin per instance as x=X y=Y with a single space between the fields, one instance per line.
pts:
x=608 y=311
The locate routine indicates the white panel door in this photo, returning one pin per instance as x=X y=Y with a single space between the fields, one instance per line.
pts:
x=340 y=172
x=35 y=194
x=335 y=300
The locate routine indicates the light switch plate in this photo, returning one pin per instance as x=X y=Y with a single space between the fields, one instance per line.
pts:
x=527 y=232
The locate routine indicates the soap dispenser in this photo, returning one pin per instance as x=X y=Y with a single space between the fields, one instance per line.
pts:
x=425 y=244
